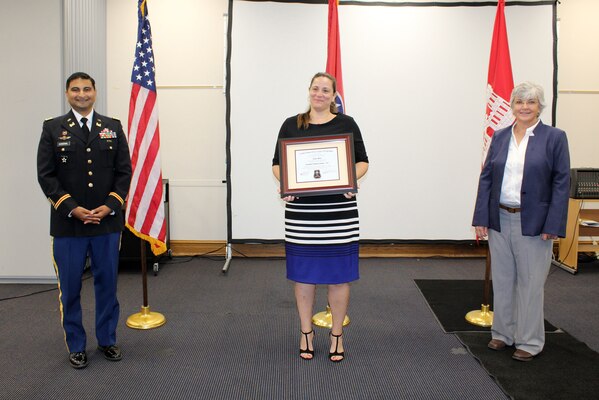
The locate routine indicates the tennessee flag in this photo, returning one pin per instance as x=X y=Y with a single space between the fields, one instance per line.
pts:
x=500 y=81
x=145 y=206
x=334 y=54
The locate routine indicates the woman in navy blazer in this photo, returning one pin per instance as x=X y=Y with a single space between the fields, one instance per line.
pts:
x=522 y=205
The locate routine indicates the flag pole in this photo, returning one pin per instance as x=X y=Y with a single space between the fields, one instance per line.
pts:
x=145 y=319
x=324 y=319
x=500 y=83
x=483 y=317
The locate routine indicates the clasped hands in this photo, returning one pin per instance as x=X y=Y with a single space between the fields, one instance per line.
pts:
x=91 y=216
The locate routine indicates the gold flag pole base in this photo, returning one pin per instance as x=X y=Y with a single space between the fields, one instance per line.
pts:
x=324 y=319
x=146 y=319
x=482 y=317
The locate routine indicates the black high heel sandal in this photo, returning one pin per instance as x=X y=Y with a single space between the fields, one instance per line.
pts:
x=336 y=353
x=307 y=350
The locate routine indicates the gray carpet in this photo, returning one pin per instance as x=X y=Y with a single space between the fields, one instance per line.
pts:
x=236 y=336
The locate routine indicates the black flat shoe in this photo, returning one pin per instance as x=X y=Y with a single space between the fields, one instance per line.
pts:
x=112 y=352
x=78 y=359
x=307 y=352
x=336 y=353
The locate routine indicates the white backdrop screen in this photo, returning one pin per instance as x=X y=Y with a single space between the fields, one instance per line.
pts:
x=415 y=82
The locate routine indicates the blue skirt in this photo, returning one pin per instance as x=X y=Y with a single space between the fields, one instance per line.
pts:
x=322 y=265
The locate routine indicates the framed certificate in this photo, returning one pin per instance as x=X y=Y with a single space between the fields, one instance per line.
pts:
x=317 y=165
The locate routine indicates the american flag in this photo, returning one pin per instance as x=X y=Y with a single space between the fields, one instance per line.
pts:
x=500 y=81
x=334 y=54
x=145 y=207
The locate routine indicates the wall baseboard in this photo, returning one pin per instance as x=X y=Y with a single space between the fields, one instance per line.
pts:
x=198 y=247
x=29 y=280
x=367 y=250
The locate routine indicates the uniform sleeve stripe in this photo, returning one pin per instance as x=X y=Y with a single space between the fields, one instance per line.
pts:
x=59 y=202
x=119 y=198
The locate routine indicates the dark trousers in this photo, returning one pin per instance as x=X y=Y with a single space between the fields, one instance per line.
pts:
x=69 y=254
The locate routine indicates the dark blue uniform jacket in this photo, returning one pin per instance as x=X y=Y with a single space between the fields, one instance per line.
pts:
x=75 y=170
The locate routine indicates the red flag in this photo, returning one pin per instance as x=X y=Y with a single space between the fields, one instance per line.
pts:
x=500 y=81
x=334 y=54
x=145 y=207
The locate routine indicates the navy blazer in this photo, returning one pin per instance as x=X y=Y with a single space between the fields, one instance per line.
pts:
x=545 y=182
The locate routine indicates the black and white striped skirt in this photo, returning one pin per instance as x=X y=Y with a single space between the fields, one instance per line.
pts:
x=321 y=239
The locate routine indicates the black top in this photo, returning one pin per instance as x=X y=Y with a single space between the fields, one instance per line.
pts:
x=340 y=124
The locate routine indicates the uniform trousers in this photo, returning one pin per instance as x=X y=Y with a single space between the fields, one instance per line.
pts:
x=519 y=268
x=69 y=254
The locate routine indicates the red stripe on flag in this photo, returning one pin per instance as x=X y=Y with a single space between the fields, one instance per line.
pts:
x=334 y=50
x=500 y=81
x=132 y=101
x=500 y=65
x=155 y=203
x=144 y=175
x=142 y=121
x=141 y=135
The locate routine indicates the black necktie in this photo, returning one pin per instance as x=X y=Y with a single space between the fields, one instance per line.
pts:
x=84 y=128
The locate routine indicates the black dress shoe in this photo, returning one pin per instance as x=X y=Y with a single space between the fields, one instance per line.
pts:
x=78 y=359
x=112 y=352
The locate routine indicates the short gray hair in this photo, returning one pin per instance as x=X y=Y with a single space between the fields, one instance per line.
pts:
x=529 y=91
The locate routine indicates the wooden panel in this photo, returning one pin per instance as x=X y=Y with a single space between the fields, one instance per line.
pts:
x=571 y=245
x=198 y=247
x=217 y=248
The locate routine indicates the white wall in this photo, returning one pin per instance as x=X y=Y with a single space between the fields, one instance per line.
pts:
x=578 y=85
x=189 y=47
x=32 y=90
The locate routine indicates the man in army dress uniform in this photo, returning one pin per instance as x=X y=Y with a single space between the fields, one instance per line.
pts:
x=84 y=169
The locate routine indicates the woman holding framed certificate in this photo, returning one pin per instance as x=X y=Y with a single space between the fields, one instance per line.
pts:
x=318 y=159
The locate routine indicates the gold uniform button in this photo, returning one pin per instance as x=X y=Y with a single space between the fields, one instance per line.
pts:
x=88 y=150
x=90 y=173
x=89 y=161
x=62 y=149
x=90 y=185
